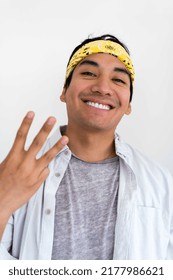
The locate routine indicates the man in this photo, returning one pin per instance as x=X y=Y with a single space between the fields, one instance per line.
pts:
x=86 y=194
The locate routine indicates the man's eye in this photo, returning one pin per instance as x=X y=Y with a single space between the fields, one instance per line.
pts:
x=86 y=73
x=116 y=80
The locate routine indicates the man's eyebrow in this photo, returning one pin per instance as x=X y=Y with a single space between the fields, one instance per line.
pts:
x=89 y=62
x=121 y=70
x=94 y=63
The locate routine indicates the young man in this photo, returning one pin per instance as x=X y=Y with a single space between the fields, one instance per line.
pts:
x=88 y=195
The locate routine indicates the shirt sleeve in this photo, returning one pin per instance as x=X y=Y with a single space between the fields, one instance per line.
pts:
x=170 y=244
x=6 y=242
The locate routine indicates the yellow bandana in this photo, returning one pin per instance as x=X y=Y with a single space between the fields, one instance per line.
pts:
x=101 y=46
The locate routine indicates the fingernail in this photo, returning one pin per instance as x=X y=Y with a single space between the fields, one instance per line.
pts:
x=51 y=121
x=64 y=140
x=30 y=115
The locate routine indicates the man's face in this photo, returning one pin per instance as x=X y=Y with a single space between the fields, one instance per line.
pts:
x=99 y=93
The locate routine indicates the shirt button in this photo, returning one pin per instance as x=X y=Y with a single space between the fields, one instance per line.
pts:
x=47 y=211
x=66 y=153
x=57 y=174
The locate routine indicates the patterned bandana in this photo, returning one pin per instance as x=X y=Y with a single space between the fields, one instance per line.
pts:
x=101 y=46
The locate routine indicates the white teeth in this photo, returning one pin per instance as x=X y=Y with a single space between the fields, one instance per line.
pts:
x=97 y=105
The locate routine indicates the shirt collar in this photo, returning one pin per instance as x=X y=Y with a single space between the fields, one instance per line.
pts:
x=122 y=149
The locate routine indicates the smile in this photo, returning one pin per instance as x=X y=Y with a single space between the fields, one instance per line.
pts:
x=98 y=105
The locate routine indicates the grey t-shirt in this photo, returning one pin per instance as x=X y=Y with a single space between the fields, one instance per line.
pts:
x=85 y=214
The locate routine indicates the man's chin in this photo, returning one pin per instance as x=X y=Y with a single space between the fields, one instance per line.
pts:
x=95 y=126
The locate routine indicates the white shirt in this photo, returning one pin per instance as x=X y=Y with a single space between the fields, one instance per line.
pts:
x=144 y=226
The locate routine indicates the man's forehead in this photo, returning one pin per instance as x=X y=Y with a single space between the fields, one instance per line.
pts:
x=101 y=59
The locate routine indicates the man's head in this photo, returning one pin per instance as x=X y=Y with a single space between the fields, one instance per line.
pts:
x=106 y=37
x=98 y=85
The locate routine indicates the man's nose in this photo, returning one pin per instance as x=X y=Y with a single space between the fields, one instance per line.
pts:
x=103 y=86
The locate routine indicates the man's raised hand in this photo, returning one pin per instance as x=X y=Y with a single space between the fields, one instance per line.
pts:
x=21 y=174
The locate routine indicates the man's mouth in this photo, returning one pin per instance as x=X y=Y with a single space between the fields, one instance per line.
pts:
x=99 y=105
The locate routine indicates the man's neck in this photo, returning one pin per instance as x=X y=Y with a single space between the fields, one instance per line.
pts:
x=91 y=146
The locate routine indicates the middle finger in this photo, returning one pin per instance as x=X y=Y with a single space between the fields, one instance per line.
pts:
x=41 y=137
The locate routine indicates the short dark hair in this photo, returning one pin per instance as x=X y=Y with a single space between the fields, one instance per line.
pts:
x=103 y=37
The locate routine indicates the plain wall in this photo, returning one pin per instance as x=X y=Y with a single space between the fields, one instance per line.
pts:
x=36 y=40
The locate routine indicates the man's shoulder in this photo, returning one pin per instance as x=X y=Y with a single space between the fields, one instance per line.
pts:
x=140 y=162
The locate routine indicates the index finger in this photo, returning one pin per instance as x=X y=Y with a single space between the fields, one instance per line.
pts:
x=22 y=132
x=49 y=155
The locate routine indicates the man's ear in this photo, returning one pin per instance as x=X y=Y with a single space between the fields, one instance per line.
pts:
x=63 y=95
x=129 y=109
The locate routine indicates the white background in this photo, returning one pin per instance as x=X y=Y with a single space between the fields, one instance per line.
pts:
x=36 y=40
